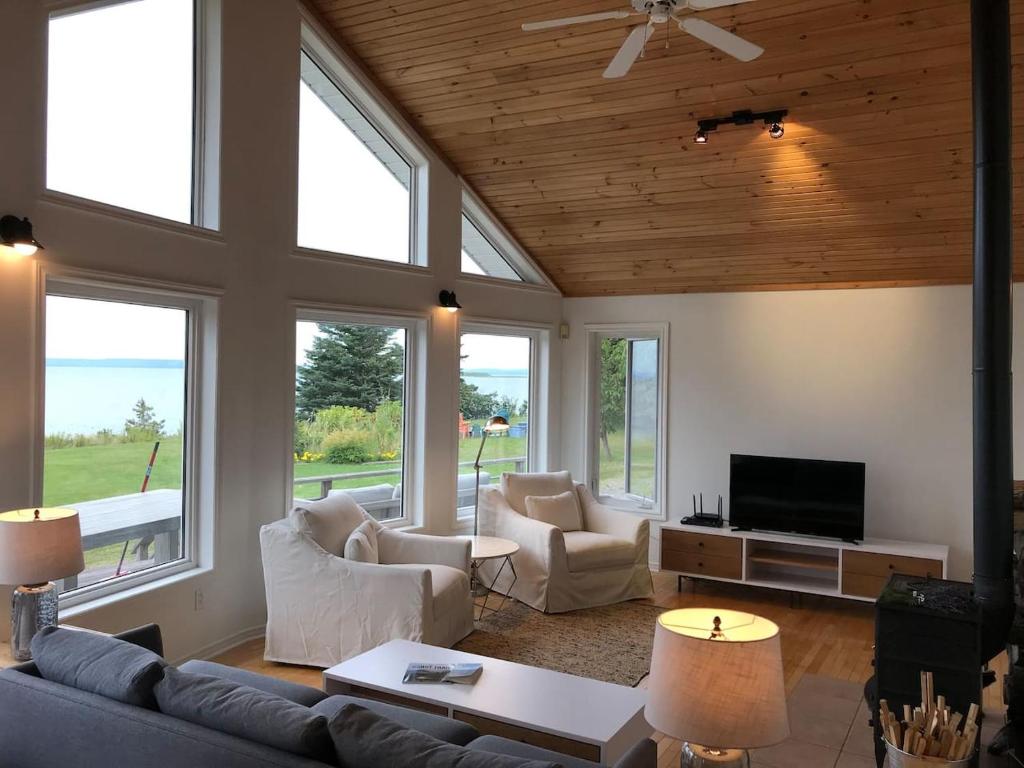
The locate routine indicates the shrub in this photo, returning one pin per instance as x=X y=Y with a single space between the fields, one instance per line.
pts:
x=348 y=446
x=387 y=428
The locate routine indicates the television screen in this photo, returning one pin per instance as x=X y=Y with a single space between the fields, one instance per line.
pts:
x=808 y=496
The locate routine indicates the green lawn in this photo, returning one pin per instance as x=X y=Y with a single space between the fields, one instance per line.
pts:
x=612 y=469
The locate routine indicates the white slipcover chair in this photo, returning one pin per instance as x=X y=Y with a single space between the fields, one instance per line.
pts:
x=605 y=563
x=323 y=608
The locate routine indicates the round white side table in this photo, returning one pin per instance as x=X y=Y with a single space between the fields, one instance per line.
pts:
x=491 y=548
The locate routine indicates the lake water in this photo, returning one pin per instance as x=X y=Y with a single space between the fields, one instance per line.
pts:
x=85 y=399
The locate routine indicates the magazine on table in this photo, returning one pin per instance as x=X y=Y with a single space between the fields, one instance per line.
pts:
x=461 y=674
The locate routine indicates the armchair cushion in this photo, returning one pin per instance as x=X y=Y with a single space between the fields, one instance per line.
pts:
x=450 y=587
x=516 y=487
x=561 y=510
x=586 y=551
x=362 y=544
x=329 y=522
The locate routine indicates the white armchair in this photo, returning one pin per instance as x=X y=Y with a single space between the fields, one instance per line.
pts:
x=606 y=562
x=323 y=608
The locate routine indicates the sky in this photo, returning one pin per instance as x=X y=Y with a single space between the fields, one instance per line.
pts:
x=90 y=329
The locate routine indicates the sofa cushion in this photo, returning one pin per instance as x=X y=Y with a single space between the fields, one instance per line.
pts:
x=98 y=664
x=329 y=521
x=300 y=694
x=239 y=710
x=516 y=487
x=443 y=728
x=362 y=544
x=587 y=551
x=364 y=739
x=561 y=510
x=643 y=754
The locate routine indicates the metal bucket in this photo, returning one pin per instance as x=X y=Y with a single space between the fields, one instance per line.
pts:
x=900 y=759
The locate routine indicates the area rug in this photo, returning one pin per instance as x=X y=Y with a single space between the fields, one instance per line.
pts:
x=611 y=643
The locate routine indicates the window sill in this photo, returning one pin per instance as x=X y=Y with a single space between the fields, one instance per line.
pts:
x=65 y=200
x=622 y=505
x=86 y=603
x=314 y=254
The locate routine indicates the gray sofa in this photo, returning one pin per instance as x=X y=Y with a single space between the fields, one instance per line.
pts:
x=45 y=723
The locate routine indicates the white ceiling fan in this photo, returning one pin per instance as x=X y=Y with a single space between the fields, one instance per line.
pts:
x=661 y=12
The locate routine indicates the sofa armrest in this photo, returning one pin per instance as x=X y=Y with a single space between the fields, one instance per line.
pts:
x=398 y=548
x=305 y=695
x=603 y=519
x=544 y=542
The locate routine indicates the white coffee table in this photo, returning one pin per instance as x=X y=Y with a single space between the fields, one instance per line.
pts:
x=573 y=715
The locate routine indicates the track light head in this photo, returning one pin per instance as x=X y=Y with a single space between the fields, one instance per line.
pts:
x=700 y=137
x=776 y=130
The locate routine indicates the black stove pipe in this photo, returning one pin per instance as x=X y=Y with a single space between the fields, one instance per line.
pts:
x=993 y=316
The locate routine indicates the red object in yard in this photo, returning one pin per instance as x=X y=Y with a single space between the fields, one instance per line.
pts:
x=465 y=428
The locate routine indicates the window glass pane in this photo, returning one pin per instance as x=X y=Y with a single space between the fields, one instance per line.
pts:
x=116 y=430
x=350 y=414
x=494 y=380
x=612 y=418
x=643 y=419
x=120 y=106
x=480 y=257
x=628 y=419
x=353 y=185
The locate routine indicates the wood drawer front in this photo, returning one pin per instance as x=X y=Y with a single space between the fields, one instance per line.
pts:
x=707 y=565
x=871 y=564
x=863 y=586
x=702 y=544
x=394 y=698
x=489 y=727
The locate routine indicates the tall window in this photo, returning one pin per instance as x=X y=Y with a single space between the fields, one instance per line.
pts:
x=120 y=105
x=117 y=427
x=481 y=257
x=350 y=413
x=354 y=186
x=628 y=411
x=495 y=379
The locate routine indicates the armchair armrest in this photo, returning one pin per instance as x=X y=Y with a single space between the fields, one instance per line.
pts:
x=602 y=519
x=397 y=547
x=543 y=541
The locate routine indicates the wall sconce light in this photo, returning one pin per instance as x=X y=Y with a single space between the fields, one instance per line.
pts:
x=448 y=301
x=16 y=234
x=773 y=119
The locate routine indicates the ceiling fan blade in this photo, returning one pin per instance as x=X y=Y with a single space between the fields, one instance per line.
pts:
x=553 y=23
x=630 y=51
x=704 y=5
x=737 y=47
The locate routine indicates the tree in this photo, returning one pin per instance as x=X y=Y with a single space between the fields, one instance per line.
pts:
x=359 y=366
x=613 y=389
x=474 y=404
x=143 y=424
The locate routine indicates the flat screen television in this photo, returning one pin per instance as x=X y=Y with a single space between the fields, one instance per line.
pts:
x=807 y=496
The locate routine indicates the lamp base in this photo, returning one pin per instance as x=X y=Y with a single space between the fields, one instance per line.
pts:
x=32 y=608
x=699 y=756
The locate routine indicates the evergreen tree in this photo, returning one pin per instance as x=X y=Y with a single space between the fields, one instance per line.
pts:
x=613 y=389
x=354 y=365
x=143 y=424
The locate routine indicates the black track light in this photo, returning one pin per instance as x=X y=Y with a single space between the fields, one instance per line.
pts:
x=772 y=119
x=447 y=300
x=700 y=137
x=776 y=130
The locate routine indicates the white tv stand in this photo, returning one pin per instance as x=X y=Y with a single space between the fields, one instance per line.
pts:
x=802 y=564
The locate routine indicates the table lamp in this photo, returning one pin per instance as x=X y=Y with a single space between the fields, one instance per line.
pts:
x=37 y=546
x=716 y=683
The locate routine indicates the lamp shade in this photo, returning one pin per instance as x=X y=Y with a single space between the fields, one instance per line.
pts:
x=496 y=424
x=724 y=691
x=39 y=545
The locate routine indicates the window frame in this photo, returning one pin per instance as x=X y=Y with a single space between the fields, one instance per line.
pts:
x=530 y=275
x=414 y=326
x=595 y=332
x=206 y=125
x=534 y=440
x=198 y=446
x=344 y=75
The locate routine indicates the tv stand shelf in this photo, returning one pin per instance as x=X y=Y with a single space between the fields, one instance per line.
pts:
x=793 y=563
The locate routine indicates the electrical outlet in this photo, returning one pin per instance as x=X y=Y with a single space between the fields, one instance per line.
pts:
x=200 y=600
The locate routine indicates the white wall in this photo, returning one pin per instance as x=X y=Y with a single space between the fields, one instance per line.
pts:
x=881 y=376
x=252 y=261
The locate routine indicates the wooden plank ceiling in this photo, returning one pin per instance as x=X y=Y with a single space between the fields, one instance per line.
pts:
x=600 y=181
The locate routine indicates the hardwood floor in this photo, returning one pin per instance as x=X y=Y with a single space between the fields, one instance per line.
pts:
x=820 y=636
